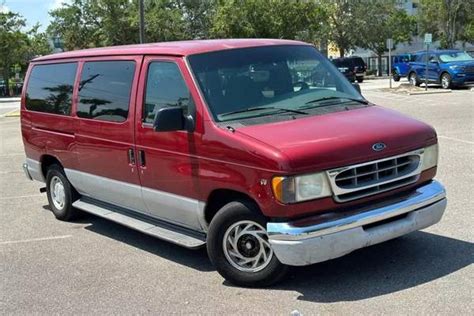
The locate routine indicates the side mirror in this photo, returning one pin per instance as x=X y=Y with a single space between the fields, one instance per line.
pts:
x=433 y=61
x=357 y=87
x=172 y=118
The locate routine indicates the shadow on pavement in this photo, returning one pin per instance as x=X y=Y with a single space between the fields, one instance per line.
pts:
x=389 y=267
x=381 y=269
x=195 y=259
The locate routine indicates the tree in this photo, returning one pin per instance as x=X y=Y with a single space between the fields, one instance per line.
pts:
x=447 y=20
x=197 y=16
x=342 y=18
x=38 y=44
x=12 y=44
x=382 y=20
x=267 y=19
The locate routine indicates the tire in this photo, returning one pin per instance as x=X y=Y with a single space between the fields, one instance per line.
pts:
x=413 y=79
x=360 y=79
x=396 y=77
x=446 y=81
x=60 y=194
x=237 y=215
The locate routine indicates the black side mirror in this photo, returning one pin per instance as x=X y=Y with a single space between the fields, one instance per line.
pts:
x=172 y=118
x=356 y=86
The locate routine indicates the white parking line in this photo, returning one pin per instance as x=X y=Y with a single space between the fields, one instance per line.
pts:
x=9 y=242
x=20 y=196
x=456 y=139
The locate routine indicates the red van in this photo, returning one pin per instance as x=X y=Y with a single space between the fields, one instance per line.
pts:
x=259 y=149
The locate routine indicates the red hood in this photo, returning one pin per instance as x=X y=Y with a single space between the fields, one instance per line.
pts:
x=342 y=138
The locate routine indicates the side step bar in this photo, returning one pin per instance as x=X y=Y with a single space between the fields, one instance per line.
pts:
x=142 y=223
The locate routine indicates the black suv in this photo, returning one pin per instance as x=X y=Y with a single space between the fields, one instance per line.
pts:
x=354 y=63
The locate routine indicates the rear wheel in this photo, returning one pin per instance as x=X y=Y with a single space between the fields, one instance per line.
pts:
x=446 y=81
x=413 y=78
x=396 y=76
x=60 y=194
x=238 y=246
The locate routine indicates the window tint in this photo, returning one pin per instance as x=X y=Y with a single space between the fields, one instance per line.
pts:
x=104 y=90
x=50 y=88
x=165 y=87
x=421 y=58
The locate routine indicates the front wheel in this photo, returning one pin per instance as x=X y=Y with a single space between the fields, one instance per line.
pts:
x=238 y=246
x=446 y=81
x=360 y=79
x=413 y=78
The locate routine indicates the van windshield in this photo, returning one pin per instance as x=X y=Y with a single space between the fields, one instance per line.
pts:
x=267 y=81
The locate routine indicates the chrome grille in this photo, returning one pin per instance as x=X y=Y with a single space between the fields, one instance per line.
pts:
x=356 y=181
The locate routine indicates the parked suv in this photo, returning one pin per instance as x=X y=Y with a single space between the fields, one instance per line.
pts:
x=346 y=69
x=449 y=68
x=259 y=150
x=354 y=63
x=401 y=66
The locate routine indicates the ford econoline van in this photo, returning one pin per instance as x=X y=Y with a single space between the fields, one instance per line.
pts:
x=260 y=150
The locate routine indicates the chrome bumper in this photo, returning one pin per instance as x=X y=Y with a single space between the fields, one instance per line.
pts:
x=26 y=171
x=32 y=169
x=333 y=235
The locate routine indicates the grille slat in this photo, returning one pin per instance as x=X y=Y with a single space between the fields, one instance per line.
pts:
x=377 y=176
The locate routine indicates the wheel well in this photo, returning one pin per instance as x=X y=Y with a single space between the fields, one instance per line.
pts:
x=218 y=198
x=441 y=74
x=46 y=162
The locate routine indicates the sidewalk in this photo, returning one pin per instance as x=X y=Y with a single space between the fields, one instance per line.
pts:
x=12 y=99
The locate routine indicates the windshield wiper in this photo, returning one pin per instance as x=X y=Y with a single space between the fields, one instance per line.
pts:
x=259 y=108
x=308 y=104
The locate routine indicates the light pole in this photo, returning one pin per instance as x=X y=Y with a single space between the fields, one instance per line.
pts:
x=142 y=21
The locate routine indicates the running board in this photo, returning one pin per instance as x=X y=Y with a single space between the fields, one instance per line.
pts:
x=142 y=223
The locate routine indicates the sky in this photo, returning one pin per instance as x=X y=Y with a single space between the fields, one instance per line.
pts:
x=32 y=10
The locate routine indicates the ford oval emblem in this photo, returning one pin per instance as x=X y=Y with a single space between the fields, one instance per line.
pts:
x=378 y=146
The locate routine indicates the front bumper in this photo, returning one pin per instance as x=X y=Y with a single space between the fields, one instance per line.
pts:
x=333 y=235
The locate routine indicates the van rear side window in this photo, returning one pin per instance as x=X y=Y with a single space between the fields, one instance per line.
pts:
x=50 y=88
x=104 y=90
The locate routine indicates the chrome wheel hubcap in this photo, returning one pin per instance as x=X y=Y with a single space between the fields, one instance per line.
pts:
x=413 y=80
x=246 y=246
x=58 y=195
x=445 y=82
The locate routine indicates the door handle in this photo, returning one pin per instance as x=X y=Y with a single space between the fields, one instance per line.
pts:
x=141 y=158
x=131 y=156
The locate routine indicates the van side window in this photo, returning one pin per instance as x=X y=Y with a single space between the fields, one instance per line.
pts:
x=104 y=90
x=50 y=88
x=165 y=87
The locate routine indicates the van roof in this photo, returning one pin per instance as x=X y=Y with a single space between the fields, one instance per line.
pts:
x=178 y=48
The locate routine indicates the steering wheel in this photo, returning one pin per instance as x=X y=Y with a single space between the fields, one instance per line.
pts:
x=304 y=85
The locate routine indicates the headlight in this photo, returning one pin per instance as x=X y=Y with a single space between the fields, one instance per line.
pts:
x=457 y=67
x=301 y=188
x=430 y=157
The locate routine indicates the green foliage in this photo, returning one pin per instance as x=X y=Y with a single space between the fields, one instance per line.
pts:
x=17 y=47
x=267 y=19
x=447 y=20
x=341 y=17
x=382 y=21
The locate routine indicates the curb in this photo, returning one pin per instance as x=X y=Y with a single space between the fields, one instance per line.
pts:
x=5 y=100
x=429 y=92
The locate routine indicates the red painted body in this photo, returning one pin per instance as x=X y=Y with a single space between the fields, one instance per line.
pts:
x=211 y=158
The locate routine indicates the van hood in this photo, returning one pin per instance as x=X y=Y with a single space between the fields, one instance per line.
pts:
x=342 y=138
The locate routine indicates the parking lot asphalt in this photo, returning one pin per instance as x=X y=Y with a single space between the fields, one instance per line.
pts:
x=94 y=266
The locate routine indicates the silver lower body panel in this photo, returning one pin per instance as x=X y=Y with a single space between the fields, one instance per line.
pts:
x=329 y=236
